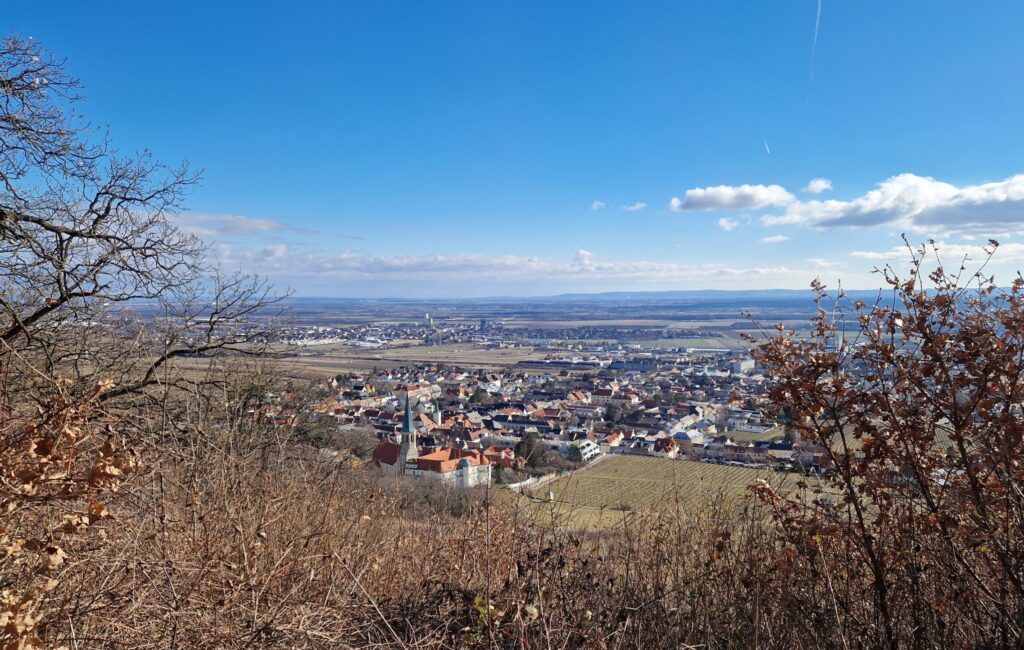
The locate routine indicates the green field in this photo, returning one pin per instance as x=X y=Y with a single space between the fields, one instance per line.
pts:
x=607 y=494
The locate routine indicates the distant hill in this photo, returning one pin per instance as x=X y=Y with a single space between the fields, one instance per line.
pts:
x=697 y=295
x=706 y=295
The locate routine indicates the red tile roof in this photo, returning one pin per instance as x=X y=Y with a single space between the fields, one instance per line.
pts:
x=386 y=453
x=446 y=459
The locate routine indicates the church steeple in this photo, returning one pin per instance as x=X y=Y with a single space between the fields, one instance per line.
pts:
x=407 y=425
x=408 y=449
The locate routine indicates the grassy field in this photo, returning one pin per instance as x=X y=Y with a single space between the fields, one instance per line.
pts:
x=607 y=494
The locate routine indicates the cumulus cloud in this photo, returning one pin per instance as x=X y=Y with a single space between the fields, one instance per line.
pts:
x=597 y=205
x=818 y=185
x=639 y=205
x=727 y=224
x=584 y=259
x=730 y=197
x=919 y=204
x=774 y=239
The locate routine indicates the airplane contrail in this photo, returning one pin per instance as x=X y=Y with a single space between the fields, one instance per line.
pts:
x=766 y=146
x=814 y=43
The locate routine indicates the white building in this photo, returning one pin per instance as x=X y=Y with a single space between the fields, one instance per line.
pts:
x=589 y=450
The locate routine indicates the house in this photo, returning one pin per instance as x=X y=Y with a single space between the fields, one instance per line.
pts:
x=588 y=449
x=602 y=396
x=461 y=467
x=420 y=391
x=686 y=440
x=503 y=456
x=628 y=398
x=813 y=455
x=777 y=450
x=742 y=366
x=665 y=448
x=613 y=439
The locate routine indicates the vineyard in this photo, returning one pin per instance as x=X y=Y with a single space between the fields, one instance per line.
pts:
x=617 y=487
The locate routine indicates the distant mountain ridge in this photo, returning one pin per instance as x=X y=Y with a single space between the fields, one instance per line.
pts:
x=702 y=295
x=706 y=294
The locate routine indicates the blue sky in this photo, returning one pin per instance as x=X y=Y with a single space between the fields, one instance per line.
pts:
x=460 y=149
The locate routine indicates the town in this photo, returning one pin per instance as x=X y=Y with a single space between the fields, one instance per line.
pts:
x=572 y=407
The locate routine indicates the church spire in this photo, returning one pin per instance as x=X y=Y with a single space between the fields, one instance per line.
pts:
x=407 y=426
x=408 y=450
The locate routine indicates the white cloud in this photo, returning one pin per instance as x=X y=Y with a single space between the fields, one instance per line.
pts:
x=899 y=252
x=211 y=226
x=363 y=269
x=584 y=259
x=919 y=204
x=949 y=253
x=774 y=239
x=727 y=224
x=276 y=251
x=729 y=197
x=821 y=263
x=639 y=205
x=818 y=185
x=597 y=205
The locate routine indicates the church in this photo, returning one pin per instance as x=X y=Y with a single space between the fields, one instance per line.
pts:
x=460 y=467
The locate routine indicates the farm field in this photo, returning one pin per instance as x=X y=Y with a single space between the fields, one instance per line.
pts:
x=330 y=359
x=607 y=494
x=591 y=322
x=726 y=341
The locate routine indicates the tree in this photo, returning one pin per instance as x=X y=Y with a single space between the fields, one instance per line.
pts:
x=918 y=400
x=479 y=396
x=87 y=242
x=531 y=449
x=360 y=442
x=575 y=454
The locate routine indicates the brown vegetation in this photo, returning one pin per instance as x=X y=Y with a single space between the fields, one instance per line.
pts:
x=919 y=397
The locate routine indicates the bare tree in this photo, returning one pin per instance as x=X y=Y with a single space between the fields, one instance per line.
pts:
x=87 y=240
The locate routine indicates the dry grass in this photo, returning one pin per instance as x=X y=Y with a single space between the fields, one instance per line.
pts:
x=284 y=550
